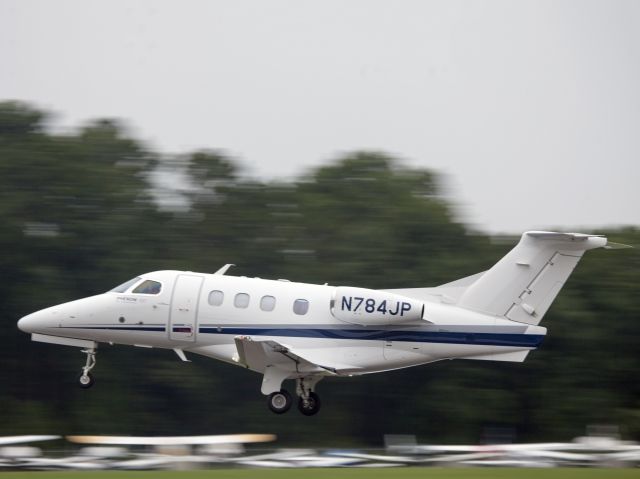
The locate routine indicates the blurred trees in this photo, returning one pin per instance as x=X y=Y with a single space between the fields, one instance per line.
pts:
x=83 y=212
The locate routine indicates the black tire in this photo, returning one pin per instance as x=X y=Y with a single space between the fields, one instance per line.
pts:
x=280 y=401
x=87 y=381
x=312 y=406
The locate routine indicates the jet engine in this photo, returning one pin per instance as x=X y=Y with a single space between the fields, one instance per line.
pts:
x=368 y=307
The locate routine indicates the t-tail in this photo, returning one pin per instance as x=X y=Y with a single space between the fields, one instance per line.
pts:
x=524 y=283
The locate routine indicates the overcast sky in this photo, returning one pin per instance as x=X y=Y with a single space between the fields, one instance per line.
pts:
x=531 y=109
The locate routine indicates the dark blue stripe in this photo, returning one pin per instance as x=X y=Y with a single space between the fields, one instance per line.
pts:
x=489 y=339
x=119 y=328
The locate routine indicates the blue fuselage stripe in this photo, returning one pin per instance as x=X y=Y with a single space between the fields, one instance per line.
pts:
x=489 y=339
x=118 y=328
x=442 y=337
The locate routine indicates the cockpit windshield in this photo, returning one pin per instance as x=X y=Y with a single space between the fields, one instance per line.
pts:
x=148 y=287
x=125 y=286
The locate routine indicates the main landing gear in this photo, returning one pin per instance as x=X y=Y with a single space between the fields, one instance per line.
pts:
x=308 y=401
x=280 y=401
x=86 y=379
x=309 y=405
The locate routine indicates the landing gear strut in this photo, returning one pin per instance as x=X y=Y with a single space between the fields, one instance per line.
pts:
x=309 y=402
x=86 y=379
x=309 y=405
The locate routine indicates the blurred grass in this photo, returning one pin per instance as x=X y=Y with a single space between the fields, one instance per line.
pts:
x=334 y=473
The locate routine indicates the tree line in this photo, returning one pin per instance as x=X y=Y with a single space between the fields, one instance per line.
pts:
x=84 y=211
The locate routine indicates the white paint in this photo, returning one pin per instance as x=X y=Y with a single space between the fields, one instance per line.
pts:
x=282 y=344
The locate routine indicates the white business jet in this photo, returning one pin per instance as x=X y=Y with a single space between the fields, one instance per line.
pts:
x=287 y=330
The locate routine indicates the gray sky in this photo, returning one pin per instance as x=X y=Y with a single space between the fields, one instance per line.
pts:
x=530 y=109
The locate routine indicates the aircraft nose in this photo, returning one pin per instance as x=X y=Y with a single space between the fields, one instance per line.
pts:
x=26 y=323
x=34 y=322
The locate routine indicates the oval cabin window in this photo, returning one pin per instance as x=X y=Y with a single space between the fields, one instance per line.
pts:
x=216 y=298
x=241 y=300
x=267 y=303
x=300 y=306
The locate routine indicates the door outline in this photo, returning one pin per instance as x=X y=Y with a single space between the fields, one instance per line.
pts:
x=176 y=336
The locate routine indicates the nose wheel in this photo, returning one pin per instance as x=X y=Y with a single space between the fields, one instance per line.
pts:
x=86 y=380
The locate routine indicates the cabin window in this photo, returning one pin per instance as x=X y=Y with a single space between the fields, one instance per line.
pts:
x=216 y=298
x=241 y=300
x=148 y=287
x=125 y=286
x=267 y=303
x=300 y=306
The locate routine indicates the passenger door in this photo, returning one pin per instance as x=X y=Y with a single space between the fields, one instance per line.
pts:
x=184 y=308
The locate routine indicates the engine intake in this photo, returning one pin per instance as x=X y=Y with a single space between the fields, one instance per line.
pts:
x=368 y=307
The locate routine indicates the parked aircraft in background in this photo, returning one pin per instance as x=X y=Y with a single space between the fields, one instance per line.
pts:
x=218 y=439
x=15 y=451
x=287 y=330
x=188 y=452
x=12 y=440
x=587 y=451
x=110 y=452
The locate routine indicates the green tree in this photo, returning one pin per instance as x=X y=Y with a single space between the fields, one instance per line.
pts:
x=85 y=211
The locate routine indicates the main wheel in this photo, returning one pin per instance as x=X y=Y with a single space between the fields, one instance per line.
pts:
x=279 y=401
x=312 y=405
x=86 y=380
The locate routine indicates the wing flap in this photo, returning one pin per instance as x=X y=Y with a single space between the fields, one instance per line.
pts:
x=261 y=354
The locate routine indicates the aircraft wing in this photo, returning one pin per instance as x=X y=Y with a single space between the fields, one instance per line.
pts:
x=172 y=440
x=262 y=354
x=9 y=440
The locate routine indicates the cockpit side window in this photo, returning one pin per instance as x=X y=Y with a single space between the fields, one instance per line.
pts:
x=125 y=286
x=148 y=287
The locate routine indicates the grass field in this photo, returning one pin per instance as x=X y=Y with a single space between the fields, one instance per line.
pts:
x=330 y=473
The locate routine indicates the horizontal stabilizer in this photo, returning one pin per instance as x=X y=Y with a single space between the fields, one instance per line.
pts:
x=554 y=235
x=611 y=245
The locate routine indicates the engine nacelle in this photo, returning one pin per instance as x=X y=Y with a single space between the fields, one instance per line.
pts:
x=368 y=307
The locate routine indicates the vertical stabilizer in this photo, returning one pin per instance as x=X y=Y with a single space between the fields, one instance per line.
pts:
x=524 y=283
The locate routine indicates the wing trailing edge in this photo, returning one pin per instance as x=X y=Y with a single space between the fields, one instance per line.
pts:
x=275 y=358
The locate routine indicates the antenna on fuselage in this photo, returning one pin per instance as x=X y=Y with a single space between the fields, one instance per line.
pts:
x=224 y=269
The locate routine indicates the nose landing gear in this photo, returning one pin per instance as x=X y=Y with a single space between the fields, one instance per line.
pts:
x=86 y=379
